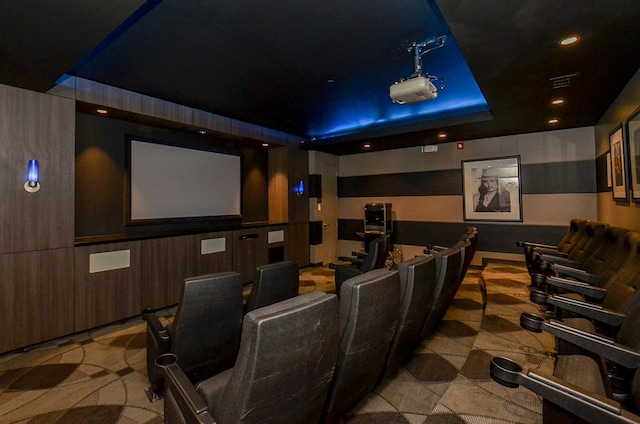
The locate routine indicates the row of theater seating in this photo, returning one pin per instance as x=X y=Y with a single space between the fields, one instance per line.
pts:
x=588 y=289
x=312 y=357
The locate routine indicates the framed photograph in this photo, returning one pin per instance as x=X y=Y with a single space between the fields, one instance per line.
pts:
x=618 y=171
x=491 y=189
x=633 y=131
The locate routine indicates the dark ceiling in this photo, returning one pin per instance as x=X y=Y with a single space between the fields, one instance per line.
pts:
x=320 y=69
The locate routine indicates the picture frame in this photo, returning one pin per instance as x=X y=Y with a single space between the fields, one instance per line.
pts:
x=618 y=164
x=633 y=148
x=492 y=190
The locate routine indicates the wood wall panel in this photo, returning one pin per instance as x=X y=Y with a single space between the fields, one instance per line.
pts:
x=166 y=110
x=211 y=121
x=166 y=262
x=216 y=262
x=36 y=126
x=250 y=249
x=36 y=301
x=298 y=243
x=278 y=185
x=108 y=296
x=298 y=170
x=105 y=95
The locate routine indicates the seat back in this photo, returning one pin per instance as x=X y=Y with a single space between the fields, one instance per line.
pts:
x=273 y=283
x=448 y=263
x=369 y=305
x=376 y=256
x=574 y=233
x=205 y=334
x=612 y=244
x=417 y=281
x=626 y=255
x=285 y=364
x=591 y=239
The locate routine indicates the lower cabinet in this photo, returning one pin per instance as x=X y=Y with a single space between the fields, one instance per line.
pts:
x=36 y=303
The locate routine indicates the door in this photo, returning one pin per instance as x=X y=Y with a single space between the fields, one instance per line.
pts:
x=329 y=213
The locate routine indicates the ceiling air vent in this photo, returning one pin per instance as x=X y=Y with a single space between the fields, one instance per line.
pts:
x=563 y=81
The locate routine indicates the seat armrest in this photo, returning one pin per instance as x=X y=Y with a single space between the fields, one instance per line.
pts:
x=587 y=309
x=193 y=407
x=158 y=332
x=603 y=346
x=574 y=272
x=558 y=259
x=530 y=244
x=579 y=287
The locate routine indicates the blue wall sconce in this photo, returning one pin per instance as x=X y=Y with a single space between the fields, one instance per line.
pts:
x=298 y=189
x=32 y=184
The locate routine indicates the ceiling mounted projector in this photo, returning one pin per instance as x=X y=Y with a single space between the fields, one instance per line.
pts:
x=418 y=87
x=413 y=90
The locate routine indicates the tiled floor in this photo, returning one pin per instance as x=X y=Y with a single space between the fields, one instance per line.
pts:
x=100 y=376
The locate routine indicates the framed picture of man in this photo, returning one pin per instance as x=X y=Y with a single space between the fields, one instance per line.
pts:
x=618 y=165
x=633 y=126
x=491 y=189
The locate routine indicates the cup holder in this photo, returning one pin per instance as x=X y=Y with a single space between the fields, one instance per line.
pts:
x=165 y=360
x=538 y=280
x=531 y=322
x=539 y=297
x=505 y=371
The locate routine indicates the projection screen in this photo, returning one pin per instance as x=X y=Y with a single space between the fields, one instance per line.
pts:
x=168 y=182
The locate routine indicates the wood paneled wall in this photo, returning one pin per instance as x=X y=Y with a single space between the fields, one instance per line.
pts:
x=36 y=241
x=36 y=297
x=36 y=126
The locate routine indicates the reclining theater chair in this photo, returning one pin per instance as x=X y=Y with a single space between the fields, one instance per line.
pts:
x=211 y=305
x=285 y=364
x=373 y=260
x=369 y=305
x=273 y=283
x=417 y=282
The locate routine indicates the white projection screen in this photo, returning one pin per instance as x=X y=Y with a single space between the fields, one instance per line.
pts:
x=168 y=182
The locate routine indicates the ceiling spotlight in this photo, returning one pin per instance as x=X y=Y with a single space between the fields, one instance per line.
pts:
x=553 y=121
x=102 y=111
x=442 y=135
x=265 y=144
x=418 y=87
x=202 y=132
x=557 y=102
x=569 y=40
x=366 y=146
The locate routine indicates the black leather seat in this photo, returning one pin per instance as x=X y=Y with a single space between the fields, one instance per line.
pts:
x=584 y=248
x=373 y=260
x=417 y=282
x=564 y=246
x=448 y=265
x=210 y=305
x=273 y=283
x=286 y=360
x=369 y=305
x=602 y=386
x=601 y=269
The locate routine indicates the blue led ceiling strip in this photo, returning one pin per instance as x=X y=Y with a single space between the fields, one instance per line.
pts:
x=120 y=29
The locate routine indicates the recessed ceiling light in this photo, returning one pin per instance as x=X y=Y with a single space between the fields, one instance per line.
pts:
x=202 y=132
x=265 y=144
x=366 y=146
x=557 y=102
x=553 y=121
x=569 y=40
x=102 y=111
x=442 y=135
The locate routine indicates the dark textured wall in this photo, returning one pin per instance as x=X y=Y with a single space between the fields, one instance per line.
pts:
x=100 y=178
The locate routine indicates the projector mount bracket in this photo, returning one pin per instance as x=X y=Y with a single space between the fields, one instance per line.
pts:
x=422 y=48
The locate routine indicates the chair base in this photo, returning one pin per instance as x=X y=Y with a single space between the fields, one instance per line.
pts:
x=152 y=396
